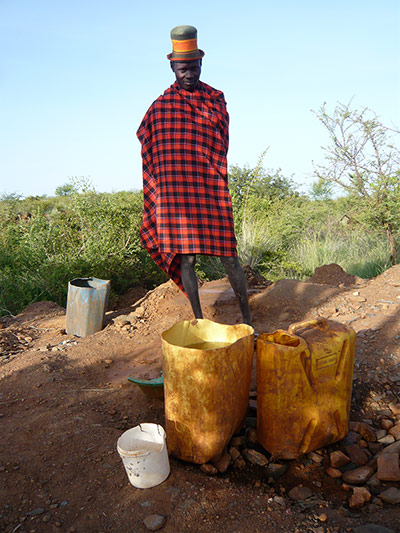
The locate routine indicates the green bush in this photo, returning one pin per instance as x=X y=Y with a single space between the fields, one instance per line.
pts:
x=82 y=235
x=289 y=235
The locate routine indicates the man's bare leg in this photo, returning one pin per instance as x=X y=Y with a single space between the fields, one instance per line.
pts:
x=238 y=281
x=189 y=280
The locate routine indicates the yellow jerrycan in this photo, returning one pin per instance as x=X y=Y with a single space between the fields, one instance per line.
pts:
x=304 y=383
x=207 y=372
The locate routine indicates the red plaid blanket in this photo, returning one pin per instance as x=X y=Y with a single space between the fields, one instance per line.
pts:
x=187 y=206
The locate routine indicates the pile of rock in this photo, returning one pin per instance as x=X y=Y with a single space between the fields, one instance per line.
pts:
x=241 y=452
x=333 y=275
x=365 y=463
x=367 y=460
x=12 y=342
x=129 y=322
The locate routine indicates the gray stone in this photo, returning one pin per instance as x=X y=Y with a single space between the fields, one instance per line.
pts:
x=372 y=528
x=385 y=412
x=154 y=522
x=334 y=472
x=122 y=320
x=395 y=431
x=380 y=434
x=387 y=439
x=234 y=453
x=390 y=495
x=358 y=476
x=237 y=440
x=364 y=429
x=392 y=448
x=275 y=470
x=316 y=457
x=300 y=493
x=255 y=458
x=386 y=423
x=208 y=469
x=223 y=463
x=356 y=454
x=139 y=312
x=240 y=463
x=338 y=459
x=360 y=496
x=395 y=408
x=35 y=512
x=351 y=437
x=374 y=483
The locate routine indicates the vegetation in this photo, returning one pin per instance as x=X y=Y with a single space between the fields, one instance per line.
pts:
x=363 y=161
x=47 y=241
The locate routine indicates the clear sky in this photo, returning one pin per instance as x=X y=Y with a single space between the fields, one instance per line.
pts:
x=77 y=76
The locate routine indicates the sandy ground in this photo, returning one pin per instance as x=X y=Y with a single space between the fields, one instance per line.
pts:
x=64 y=401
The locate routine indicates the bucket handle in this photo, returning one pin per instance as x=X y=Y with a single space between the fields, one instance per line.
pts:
x=158 y=429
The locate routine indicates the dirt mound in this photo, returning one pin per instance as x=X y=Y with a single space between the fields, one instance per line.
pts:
x=333 y=275
x=296 y=293
x=38 y=309
x=288 y=301
x=254 y=279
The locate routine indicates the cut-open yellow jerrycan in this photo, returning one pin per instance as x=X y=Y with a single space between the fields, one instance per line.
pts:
x=207 y=371
x=304 y=383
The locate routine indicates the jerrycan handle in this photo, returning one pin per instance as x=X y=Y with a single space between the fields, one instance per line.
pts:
x=320 y=323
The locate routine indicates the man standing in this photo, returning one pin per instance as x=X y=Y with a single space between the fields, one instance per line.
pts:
x=187 y=205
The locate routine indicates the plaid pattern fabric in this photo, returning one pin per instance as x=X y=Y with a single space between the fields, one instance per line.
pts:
x=187 y=206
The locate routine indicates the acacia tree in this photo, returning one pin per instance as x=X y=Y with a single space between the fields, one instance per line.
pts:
x=363 y=159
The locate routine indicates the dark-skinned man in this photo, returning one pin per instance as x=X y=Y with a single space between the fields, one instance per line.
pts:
x=187 y=206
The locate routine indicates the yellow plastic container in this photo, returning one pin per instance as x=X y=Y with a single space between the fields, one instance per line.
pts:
x=304 y=383
x=207 y=371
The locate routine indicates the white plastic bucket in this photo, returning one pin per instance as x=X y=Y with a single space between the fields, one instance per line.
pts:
x=143 y=451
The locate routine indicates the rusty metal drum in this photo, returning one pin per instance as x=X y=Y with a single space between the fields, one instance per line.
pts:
x=86 y=305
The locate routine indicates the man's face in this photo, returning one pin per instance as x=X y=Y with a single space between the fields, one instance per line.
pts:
x=187 y=73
